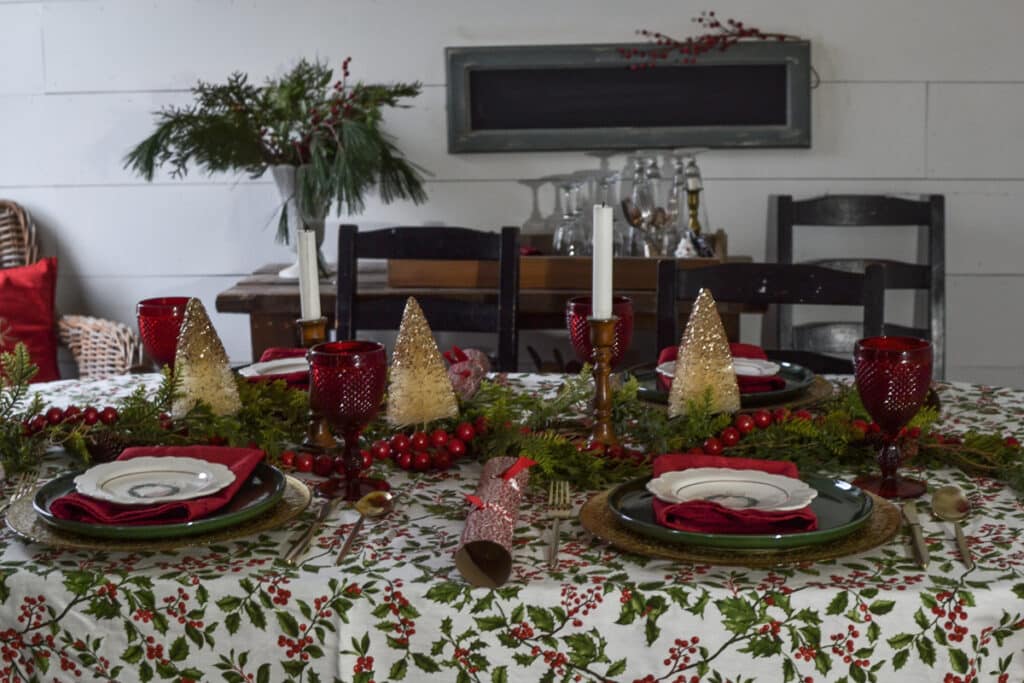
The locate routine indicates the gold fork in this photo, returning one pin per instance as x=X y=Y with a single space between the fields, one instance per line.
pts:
x=559 y=508
x=23 y=485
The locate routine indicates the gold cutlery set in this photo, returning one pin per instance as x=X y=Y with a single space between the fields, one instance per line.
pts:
x=949 y=504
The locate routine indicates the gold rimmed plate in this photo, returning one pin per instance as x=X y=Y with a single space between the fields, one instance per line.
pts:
x=841 y=509
x=23 y=520
x=261 y=491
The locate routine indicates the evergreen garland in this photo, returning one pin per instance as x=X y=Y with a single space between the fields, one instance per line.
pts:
x=552 y=430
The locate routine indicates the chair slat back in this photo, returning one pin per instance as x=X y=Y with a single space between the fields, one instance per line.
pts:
x=928 y=275
x=765 y=284
x=484 y=312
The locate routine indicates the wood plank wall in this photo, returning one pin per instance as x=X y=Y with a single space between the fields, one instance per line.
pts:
x=916 y=96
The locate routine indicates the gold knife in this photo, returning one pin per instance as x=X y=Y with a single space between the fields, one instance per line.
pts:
x=920 y=549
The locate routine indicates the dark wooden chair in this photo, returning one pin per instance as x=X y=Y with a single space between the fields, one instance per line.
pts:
x=927 y=276
x=495 y=313
x=767 y=284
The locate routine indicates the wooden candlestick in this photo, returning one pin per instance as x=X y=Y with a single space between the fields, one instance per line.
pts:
x=312 y=332
x=602 y=337
x=318 y=433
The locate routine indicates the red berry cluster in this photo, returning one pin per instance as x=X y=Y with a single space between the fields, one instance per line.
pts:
x=322 y=464
x=743 y=425
x=71 y=416
x=437 y=450
x=721 y=36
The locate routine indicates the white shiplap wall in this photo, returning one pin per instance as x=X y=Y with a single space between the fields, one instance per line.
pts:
x=916 y=96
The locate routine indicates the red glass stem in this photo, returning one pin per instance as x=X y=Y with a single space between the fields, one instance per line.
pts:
x=888 y=459
x=353 y=464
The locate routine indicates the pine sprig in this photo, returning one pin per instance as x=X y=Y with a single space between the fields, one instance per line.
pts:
x=19 y=450
x=301 y=119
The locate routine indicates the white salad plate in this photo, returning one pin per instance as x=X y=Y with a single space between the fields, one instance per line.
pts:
x=736 y=489
x=147 y=480
x=755 y=367
x=748 y=367
x=278 y=366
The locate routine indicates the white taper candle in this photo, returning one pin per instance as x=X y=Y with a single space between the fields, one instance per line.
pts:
x=602 y=282
x=309 y=276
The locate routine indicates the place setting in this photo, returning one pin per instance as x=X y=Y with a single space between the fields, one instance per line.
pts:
x=161 y=498
x=704 y=507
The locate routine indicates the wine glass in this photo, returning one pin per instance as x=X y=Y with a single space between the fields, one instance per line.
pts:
x=346 y=386
x=159 y=324
x=577 y=312
x=570 y=236
x=893 y=375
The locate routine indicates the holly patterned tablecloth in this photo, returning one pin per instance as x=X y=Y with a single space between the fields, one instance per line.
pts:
x=398 y=610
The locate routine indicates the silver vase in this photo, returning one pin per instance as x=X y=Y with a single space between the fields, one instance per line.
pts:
x=286 y=177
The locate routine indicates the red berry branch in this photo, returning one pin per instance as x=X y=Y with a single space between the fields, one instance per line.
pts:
x=719 y=36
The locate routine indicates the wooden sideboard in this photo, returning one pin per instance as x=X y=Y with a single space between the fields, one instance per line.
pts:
x=272 y=303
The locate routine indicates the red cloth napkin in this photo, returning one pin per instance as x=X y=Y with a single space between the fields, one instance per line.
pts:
x=241 y=461
x=748 y=383
x=298 y=380
x=706 y=517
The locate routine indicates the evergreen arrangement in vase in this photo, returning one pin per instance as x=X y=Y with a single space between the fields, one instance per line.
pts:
x=305 y=118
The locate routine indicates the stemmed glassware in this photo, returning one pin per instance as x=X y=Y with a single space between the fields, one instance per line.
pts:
x=159 y=324
x=570 y=237
x=893 y=375
x=577 y=312
x=644 y=210
x=346 y=387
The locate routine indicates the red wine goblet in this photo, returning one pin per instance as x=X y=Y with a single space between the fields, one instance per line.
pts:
x=578 y=310
x=893 y=375
x=346 y=386
x=159 y=323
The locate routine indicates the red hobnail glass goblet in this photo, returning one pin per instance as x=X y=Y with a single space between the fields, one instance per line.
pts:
x=159 y=323
x=893 y=375
x=346 y=387
x=578 y=310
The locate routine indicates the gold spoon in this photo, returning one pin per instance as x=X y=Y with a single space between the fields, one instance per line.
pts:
x=951 y=505
x=373 y=504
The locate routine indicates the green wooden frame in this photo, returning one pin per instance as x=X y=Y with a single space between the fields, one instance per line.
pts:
x=462 y=61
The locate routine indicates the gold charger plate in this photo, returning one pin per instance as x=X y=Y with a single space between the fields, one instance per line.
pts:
x=23 y=520
x=883 y=525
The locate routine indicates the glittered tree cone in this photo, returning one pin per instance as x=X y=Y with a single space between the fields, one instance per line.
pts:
x=419 y=390
x=704 y=362
x=201 y=366
x=484 y=555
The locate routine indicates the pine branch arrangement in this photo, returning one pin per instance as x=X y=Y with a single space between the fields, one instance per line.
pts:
x=299 y=119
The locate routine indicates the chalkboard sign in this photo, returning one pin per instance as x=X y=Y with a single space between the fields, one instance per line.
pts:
x=586 y=97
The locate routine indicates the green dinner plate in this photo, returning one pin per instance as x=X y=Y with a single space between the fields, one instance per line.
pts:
x=798 y=380
x=261 y=492
x=841 y=507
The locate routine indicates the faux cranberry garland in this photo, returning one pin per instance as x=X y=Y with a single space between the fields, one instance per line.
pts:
x=436 y=450
x=718 y=35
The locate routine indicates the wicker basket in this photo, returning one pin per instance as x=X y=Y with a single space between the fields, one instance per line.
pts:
x=101 y=348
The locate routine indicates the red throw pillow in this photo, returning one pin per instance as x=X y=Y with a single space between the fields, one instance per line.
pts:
x=26 y=314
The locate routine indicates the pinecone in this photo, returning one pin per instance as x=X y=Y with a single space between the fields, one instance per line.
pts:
x=104 y=445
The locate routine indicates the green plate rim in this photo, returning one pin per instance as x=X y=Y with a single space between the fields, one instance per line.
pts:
x=749 y=542
x=215 y=522
x=801 y=382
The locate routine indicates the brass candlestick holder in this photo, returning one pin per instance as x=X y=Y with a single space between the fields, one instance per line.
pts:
x=318 y=433
x=602 y=337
